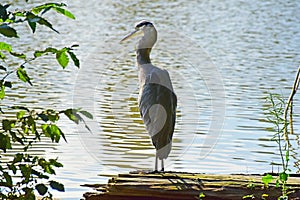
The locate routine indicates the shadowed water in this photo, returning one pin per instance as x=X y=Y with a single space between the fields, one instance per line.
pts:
x=223 y=58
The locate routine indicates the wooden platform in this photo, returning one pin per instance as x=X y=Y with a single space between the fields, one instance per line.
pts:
x=179 y=185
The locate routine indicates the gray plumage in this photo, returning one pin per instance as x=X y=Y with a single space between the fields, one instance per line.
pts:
x=163 y=102
x=157 y=100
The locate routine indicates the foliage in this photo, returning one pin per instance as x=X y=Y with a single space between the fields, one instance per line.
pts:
x=25 y=173
x=280 y=115
x=275 y=116
x=33 y=17
x=201 y=196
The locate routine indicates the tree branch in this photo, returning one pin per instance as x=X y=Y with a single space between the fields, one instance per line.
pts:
x=289 y=107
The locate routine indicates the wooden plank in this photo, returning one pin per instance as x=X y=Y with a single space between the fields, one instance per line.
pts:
x=182 y=185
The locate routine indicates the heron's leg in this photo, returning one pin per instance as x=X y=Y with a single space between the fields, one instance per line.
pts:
x=162 y=165
x=156 y=158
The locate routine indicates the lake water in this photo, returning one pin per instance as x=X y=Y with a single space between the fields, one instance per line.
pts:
x=224 y=58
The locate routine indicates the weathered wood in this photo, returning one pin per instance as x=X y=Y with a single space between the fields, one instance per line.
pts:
x=179 y=185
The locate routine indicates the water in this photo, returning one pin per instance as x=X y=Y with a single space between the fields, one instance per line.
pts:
x=223 y=57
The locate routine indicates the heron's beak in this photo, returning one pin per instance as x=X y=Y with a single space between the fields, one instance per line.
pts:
x=130 y=35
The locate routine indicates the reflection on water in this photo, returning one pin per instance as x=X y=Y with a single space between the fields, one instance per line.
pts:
x=233 y=49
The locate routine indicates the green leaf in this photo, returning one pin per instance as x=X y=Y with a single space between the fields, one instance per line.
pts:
x=8 y=179
x=18 y=158
x=283 y=176
x=4 y=142
x=72 y=115
x=47 y=131
x=86 y=113
x=22 y=74
x=64 y=12
x=43 y=116
x=287 y=156
x=12 y=167
x=63 y=135
x=5 y=47
x=16 y=138
x=3 y=12
x=20 y=13
x=32 y=25
x=29 y=191
x=47 y=50
x=201 y=195
x=62 y=57
x=39 y=174
x=18 y=55
x=44 y=22
x=46 y=166
x=55 y=6
x=2 y=56
x=41 y=188
x=74 y=59
x=2 y=68
x=2 y=92
x=30 y=121
x=8 y=124
x=8 y=31
x=20 y=114
x=44 y=127
x=20 y=108
x=26 y=171
x=57 y=186
x=33 y=19
x=55 y=132
x=52 y=115
x=7 y=84
x=38 y=9
x=267 y=179
x=55 y=163
x=46 y=7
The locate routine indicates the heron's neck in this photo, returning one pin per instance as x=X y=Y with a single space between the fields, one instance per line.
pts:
x=143 y=56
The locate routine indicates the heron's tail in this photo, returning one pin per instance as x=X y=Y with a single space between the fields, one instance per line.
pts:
x=164 y=152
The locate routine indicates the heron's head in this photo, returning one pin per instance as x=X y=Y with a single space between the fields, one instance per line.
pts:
x=147 y=31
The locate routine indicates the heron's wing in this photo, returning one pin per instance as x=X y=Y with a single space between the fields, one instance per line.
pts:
x=158 y=110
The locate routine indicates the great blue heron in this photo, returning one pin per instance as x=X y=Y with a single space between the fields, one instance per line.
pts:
x=157 y=100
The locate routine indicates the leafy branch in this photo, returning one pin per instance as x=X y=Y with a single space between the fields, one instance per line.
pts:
x=26 y=123
x=24 y=173
x=31 y=169
x=62 y=56
x=280 y=114
x=32 y=17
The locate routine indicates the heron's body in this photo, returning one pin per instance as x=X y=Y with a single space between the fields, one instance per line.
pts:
x=157 y=100
x=157 y=104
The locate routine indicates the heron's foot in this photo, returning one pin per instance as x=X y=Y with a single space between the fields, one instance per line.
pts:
x=154 y=172
x=147 y=171
x=162 y=169
x=157 y=171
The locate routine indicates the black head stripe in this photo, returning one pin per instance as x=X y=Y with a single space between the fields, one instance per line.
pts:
x=143 y=23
